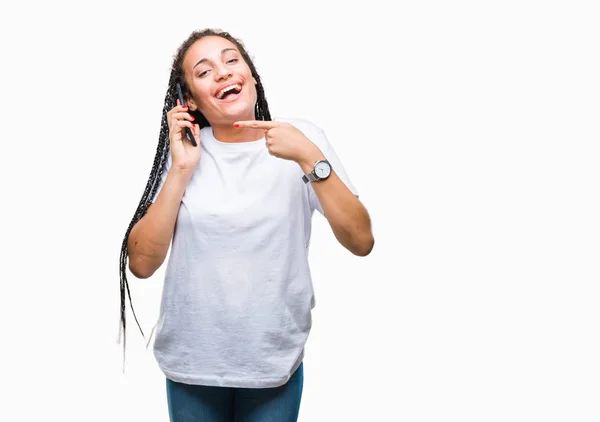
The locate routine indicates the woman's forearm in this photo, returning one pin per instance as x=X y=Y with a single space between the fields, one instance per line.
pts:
x=346 y=215
x=150 y=238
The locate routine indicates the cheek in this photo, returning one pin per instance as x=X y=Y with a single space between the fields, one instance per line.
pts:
x=202 y=96
x=253 y=92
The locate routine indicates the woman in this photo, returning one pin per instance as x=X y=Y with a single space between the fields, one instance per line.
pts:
x=236 y=305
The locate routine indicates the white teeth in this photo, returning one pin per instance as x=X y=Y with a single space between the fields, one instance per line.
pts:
x=225 y=90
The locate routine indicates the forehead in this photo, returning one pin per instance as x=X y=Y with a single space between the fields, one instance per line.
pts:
x=208 y=47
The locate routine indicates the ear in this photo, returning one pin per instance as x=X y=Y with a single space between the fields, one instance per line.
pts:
x=192 y=105
x=255 y=82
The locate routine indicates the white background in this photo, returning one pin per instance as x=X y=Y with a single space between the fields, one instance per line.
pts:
x=470 y=128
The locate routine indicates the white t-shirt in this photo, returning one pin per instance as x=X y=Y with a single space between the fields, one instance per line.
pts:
x=237 y=296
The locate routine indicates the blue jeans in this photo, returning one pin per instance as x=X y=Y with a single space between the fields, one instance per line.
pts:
x=198 y=403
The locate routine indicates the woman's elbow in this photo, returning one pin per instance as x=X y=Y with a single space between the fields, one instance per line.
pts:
x=139 y=269
x=365 y=247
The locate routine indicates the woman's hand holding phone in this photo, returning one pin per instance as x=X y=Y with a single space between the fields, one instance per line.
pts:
x=184 y=155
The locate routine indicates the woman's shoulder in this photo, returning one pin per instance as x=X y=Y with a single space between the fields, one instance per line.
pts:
x=312 y=131
x=298 y=122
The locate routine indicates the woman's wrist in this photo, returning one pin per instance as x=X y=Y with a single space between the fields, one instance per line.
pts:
x=308 y=160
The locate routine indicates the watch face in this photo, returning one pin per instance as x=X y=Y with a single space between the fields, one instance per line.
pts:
x=322 y=170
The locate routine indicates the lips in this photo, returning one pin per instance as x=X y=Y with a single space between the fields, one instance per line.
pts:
x=226 y=89
x=230 y=98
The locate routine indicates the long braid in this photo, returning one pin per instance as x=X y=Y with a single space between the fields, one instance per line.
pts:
x=152 y=185
x=162 y=152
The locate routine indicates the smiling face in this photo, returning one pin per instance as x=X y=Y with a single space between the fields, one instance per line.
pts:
x=221 y=83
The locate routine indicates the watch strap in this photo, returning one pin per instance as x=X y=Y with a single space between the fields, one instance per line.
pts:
x=310 y=177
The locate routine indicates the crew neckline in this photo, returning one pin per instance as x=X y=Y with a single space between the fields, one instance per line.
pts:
x=233 y=146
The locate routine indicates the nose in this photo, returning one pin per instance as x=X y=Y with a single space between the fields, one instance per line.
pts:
x=222 y=72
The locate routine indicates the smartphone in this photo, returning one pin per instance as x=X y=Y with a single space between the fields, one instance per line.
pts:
x=188 y=131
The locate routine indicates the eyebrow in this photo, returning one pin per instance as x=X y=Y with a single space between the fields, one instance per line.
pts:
x=225 y=50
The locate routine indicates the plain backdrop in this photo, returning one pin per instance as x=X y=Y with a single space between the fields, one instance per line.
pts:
x=470 y=129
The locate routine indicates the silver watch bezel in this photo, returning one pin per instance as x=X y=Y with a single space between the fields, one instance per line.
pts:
x=315 y=169
x=312 y=176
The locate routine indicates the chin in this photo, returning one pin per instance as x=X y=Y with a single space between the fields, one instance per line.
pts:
x=238 y=112
x=230 y=112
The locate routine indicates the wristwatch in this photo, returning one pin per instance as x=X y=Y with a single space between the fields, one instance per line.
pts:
x=321 y=171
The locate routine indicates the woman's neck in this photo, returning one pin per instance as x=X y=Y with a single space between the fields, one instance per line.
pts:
x=227 y=133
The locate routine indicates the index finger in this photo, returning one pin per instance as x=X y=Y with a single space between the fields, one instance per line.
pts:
x=182 y=106
x=255 y=124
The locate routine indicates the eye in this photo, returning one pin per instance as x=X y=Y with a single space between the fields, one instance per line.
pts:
x=202 y=73
x=232 y=61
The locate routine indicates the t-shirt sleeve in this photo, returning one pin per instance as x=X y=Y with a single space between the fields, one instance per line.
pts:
x=320 y=140
x=161 y=181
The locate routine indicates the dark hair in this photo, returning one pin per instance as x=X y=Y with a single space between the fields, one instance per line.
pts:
x=261 y=110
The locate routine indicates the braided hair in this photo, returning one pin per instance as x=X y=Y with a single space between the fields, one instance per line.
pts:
x=261 y=110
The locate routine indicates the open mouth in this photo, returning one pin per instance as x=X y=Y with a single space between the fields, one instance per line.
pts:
x=229 y=93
